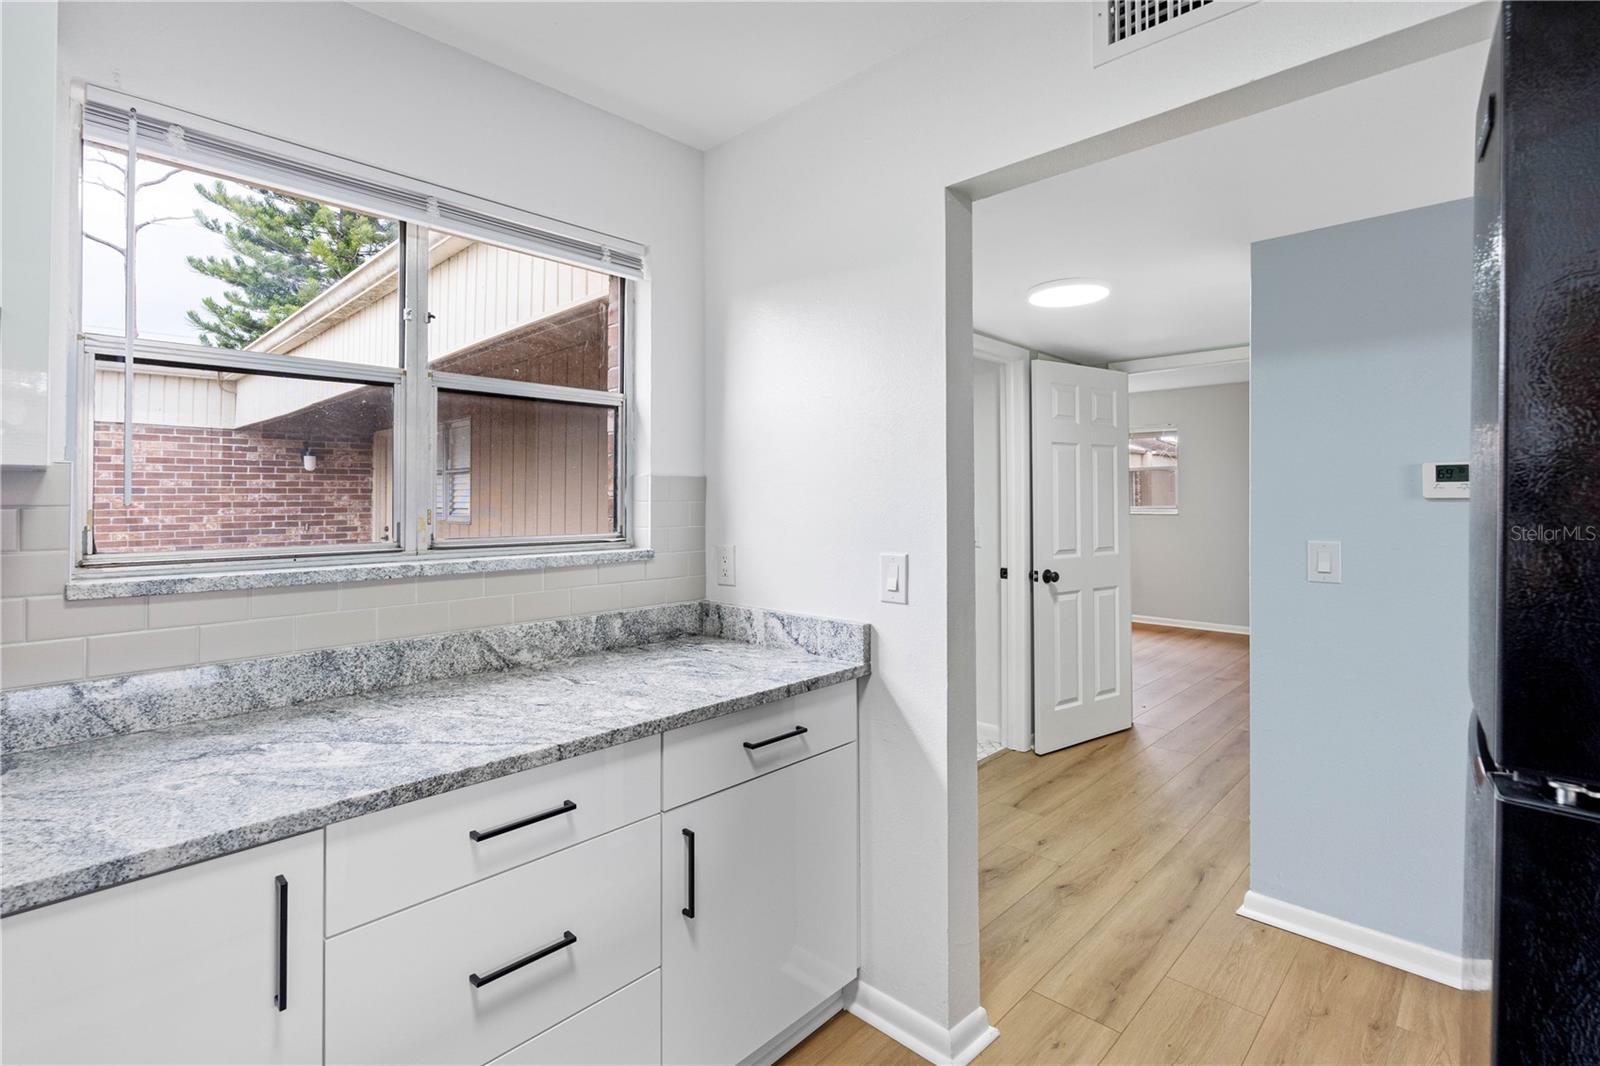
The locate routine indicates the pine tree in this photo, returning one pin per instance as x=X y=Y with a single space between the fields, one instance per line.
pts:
x=285 y=251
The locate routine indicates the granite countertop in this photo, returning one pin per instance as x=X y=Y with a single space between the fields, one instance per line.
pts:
x=91 y=814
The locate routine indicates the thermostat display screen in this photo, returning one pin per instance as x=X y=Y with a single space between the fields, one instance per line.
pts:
x=1450 y=472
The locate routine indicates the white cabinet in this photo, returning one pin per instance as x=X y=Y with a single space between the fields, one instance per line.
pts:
x=710 y=756
x=624 y=1029
x=758 y=908
x=472 y=974
x=533 y=920
x=381 y=862
x=220 y=962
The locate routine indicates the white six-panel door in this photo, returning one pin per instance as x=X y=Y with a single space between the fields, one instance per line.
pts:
x=1082 y=611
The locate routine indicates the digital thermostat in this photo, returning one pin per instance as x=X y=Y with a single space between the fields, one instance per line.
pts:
x=1445 y=481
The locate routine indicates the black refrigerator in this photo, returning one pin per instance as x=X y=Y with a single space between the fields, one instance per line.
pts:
x=1534 y=821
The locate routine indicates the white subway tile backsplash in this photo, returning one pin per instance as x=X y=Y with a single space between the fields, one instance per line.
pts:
x=483 y=611
x=280 y=602
x=571 y=577
x=678 y=487
x=45 y=529
x=156 y=649
x=51 y=617
x=450 y=587
x=50 y=487
x=246 y=640
x=614 y=575
x=33 y=573
x=47 y=640
x=682 y=589
x=331 y=630
x=680 y=539
x=361 y=594
x=13 y=621
x=551 y=603
x=591 y=599
x=513 y=584
x=641 y=593
x=411 y=620
x=43 y=663
x=200 y=608
x=667 y=564
x=672 y=513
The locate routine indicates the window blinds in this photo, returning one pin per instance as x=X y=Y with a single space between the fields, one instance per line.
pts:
x=183 y=138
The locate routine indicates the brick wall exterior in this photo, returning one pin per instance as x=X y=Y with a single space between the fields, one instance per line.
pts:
x=197 y=488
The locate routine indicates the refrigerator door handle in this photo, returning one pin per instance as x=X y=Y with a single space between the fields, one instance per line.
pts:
x=1483 y=765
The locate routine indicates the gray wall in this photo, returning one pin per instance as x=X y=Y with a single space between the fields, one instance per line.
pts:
x=1194 y=566
x=1360 y=354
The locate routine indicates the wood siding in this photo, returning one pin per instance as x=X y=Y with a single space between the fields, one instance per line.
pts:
x=538 y=469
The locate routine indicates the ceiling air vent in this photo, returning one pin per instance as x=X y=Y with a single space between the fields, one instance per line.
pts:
x=1121 y=26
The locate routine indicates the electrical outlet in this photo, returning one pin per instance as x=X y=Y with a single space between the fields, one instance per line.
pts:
x=725 y=573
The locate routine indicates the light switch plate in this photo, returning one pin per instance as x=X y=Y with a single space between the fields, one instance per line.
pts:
x=1324 y=564
x=893 y=576
x=725 y=565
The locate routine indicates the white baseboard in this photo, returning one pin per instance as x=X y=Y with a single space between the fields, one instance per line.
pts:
x=1184 y=623
x=1407 y=955
x=989 y=731
x=786 y=1041
x=956 y=1046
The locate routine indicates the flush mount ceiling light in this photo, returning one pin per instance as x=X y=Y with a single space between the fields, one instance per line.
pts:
x=1068 y=292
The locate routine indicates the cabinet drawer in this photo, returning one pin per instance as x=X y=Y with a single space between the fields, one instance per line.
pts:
x=700 y=759
x=624 y=1029
x=381 y=862
x=186 y=966
x=398 y=989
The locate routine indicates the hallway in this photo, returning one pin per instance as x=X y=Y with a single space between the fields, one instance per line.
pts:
x=1109 y=876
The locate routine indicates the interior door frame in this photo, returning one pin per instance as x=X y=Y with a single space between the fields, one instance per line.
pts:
x=1016 y=525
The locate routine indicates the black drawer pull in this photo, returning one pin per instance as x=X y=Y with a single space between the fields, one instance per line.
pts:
x=566 y=807
x=798 y=730
x=566 y=941
x=688 y=840
x=282 y=998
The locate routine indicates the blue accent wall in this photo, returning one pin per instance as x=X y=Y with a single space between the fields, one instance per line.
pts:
x=1360 y=360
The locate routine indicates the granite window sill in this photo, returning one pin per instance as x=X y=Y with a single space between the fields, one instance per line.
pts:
x=90 y=586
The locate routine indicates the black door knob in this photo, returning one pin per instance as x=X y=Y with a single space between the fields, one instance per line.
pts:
x=1050 y=577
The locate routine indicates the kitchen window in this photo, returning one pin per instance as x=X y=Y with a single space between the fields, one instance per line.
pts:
x=287 y=356
x=1153 y=471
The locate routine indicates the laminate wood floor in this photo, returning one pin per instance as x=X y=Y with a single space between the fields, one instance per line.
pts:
x=1109 y=874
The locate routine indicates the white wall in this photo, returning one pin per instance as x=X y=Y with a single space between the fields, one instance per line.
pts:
x=344 y=81
x=838 y=385
x=1194 y=566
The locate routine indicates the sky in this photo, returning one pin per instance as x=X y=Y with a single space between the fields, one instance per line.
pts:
x=167 y=288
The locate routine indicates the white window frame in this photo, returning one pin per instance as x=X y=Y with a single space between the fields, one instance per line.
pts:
x=415 y=386
x=1177 y=479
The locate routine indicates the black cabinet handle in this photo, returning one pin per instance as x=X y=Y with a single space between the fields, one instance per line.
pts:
x=688 y=842
x=566 y=941
x=566 y=807
x=797 y=731
x=282 y=998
